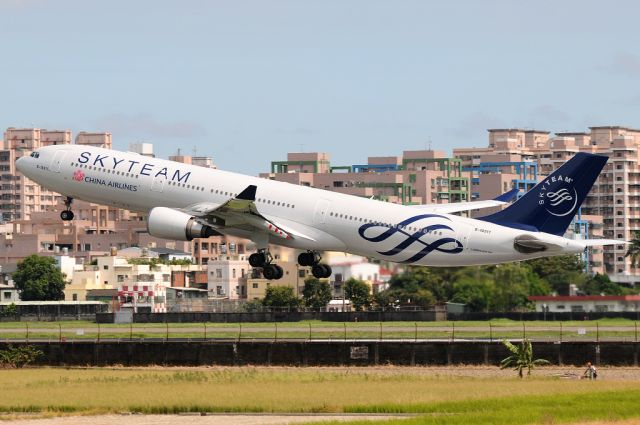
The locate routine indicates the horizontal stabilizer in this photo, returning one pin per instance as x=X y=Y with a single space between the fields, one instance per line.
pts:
x=602 y=242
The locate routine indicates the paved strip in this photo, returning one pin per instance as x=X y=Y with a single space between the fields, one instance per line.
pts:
x=222 y=419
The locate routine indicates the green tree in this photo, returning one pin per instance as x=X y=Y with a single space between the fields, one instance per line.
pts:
x=358 y=292
x=280 y=296
x=39 y=279
x=316 y=294
x=252 y=306
x=512 y=281
x=601 y=284
x=559 y=271
x=521 y=357
x=409 y=287
x=633 y=250
x=474 y=287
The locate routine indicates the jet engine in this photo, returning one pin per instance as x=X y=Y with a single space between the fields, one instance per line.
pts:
x=168 y=223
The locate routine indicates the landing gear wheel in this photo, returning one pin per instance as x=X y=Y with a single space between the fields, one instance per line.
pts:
x=306 y=259
x=321 y=271
x=66 y=215
x=272 y=272
x=258 y=259
x=279 y=271
x=327 y=270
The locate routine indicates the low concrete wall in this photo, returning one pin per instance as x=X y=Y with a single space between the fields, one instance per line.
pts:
x=301 y=353
x=363 y=316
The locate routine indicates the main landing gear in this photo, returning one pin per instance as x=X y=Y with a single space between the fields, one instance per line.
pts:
x=263 y=259
x=312 y=258
x=67 y=214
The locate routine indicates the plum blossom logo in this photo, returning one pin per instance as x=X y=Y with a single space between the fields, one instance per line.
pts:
x=78 y=175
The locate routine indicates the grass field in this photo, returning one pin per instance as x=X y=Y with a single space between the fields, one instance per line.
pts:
x=611 y=329
x=439 y=395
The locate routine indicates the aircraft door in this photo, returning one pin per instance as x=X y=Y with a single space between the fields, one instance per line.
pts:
x=321 y=211
x=463 y=231
x=158 y=184
x=56 y=161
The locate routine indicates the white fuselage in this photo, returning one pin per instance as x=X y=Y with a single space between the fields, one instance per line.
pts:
x=332 y=221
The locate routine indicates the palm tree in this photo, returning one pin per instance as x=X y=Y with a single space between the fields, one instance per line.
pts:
x=634 y=250
x=521 y=357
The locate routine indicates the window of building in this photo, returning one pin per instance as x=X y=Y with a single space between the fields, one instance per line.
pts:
x=255 y=286
x=301 y=273
x=219 y=273
x=233 y=273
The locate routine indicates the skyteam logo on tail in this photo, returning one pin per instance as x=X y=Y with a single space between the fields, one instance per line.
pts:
x=558 y=196
x=406 y=237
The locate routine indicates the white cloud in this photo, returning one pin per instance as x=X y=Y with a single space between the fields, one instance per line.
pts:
x=147 y=127
x=627 y=64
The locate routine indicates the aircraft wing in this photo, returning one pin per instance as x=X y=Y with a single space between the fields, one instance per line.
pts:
x=242 y=213
x=472 y=205
x=459 y=206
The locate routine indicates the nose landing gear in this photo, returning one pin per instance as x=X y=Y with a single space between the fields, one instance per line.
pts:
x=312 y=258
x=67 y=214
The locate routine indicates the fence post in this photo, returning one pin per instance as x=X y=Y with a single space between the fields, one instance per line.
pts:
x=636 y=326
x=309 y=331
x=240 y=331
x=27 y=325
x=453 y=331
x=490 y=332
x=276 y=334
x=131 y=331
x=345 y=330
x=560 y=332
x=380 y=336
x=416 y=333
x=98 y=332
x=205 y=330
x=167 y=338
x=59 y=332
x=597 y=333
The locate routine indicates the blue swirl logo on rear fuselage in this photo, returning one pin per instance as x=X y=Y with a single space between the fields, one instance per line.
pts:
x=412 y=237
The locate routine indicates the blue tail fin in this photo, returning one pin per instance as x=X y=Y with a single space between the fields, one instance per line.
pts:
x=550 y=206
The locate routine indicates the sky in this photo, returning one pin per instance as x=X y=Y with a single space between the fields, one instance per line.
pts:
x=246 y=81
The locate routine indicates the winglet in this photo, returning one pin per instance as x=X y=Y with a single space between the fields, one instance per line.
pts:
x=249 y=194
x=507 y=196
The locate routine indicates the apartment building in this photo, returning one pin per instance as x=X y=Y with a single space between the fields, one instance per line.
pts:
x=416 y=177
x=612 y=208
x=19 y=196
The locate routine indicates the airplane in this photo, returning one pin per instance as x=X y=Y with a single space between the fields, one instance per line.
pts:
x=184 y=202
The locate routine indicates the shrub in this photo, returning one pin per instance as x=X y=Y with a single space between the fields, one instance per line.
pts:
x=18 y=357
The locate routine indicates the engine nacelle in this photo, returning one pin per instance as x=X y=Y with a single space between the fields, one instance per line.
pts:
x=168 y=223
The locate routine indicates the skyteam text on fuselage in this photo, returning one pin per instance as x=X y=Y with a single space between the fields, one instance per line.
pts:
x=185 y=202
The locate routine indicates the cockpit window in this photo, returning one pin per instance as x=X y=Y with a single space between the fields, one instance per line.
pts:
x=34 y=155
